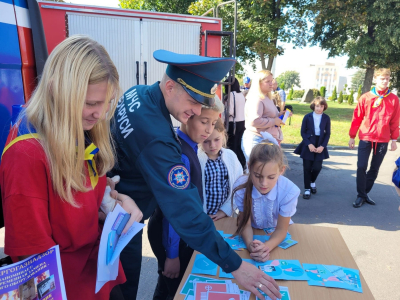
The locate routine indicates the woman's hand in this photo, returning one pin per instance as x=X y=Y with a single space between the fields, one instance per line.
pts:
x=278 y=121
x=319 y=149
x=219 y=215
x=131 y=208
x=312 y=148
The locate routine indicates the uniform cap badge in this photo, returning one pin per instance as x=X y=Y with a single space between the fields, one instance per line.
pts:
x=213 y=89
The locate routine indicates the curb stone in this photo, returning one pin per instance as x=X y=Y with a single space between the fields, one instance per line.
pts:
x=293 y=146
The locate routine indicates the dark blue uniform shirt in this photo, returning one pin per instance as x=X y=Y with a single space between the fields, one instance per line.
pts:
x=148 y=149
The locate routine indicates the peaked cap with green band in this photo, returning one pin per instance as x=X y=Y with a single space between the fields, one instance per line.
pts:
x=198 y=75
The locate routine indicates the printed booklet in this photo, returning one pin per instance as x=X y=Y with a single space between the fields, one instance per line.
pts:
x=38 y=277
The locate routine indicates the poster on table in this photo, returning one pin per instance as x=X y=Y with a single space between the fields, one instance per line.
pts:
x=38 y=277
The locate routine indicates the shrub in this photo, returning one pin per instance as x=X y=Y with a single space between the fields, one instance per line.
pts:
x=359 y=92
x=340 y=99
x=334 y=94
x=290 y=96
x=322 y=91
x=350 y=99
x=282 y=86
x=298 y=94
x=316 y=93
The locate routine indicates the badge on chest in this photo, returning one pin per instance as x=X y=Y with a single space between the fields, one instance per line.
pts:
x=179 y=177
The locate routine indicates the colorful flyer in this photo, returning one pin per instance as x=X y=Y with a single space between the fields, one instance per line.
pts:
x=189 y=284
x=202 y=265
x=222 y=296
x=284 y=292
x=348 y=276
x=37 y=277
x=201 y=289
x=284 y=269
x=319 y=275
x=287 y=243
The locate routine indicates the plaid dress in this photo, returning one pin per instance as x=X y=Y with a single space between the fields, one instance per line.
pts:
x=216 y=184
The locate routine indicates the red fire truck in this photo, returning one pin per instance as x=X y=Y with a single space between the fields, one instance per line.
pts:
x=30 y=29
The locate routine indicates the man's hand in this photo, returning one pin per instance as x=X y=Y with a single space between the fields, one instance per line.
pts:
x=311 y=147
x=219 y=215
x=253 y=279
x=131 y=208
x=351 y=143
x=172 y=267
x=393 y=146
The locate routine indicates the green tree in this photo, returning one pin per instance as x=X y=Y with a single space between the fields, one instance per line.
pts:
x=350 y=100
x=169 y=6
x=289 y=79
x=260 y=25
x=322 y=91
x=357 y=79
x=290 y=96
x=340 y=99
x=368 y=31
x=359 y=93
x=282 y=86
x=334 y=94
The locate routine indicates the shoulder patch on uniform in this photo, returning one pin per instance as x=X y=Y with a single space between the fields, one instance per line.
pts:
x=179 y=177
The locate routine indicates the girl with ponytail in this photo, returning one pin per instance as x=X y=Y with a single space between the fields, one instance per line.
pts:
x=265 y=198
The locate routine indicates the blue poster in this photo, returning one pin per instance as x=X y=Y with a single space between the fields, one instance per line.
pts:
x=284 y=269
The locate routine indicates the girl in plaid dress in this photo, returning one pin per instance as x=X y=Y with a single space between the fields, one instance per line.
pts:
x=220 y=168
x=265 y=198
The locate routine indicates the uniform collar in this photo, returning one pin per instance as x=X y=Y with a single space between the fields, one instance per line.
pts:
x=271 y=195
x=187 y=139
x=156 y=94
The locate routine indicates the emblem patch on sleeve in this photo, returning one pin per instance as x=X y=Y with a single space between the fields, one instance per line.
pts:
x=178 y=177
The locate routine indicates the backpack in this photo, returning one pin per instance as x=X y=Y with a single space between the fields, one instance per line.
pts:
x=396 y=174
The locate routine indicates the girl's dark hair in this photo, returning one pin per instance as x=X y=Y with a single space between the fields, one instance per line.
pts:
x=263 y=152
x=319 y=100
x=235 y=87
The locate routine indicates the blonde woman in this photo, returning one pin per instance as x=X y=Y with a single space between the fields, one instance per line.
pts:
x=261 y=113
x=53 y=168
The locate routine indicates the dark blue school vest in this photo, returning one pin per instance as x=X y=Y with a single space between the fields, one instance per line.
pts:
x=195 y=168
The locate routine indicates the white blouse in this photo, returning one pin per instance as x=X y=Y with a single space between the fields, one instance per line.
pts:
x=281 y=200
x=317 y=122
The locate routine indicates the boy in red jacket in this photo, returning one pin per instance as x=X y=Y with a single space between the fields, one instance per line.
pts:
x=376 y=117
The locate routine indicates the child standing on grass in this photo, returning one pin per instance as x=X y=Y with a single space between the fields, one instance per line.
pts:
x=265 y=198
x=315 y=131
x=220 y=167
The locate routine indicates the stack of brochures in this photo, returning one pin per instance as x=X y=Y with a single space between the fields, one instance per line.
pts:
x=205 y=288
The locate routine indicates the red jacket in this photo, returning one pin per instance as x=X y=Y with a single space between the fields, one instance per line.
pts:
x=379 y=124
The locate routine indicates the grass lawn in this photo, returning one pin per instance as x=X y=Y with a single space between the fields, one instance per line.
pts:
x=340 y=114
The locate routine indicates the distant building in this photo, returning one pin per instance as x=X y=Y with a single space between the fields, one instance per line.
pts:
x=326 y=75
x=342 y=82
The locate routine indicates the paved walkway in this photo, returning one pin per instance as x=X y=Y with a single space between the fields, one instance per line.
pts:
x=372 y=233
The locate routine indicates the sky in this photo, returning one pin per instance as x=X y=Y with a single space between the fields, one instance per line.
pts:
x=291 y=60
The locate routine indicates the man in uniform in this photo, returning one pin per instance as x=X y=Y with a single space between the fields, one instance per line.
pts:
x=151 y=170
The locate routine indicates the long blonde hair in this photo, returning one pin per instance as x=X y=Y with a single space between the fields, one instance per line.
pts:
x=55 y=111
x=255 y=90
